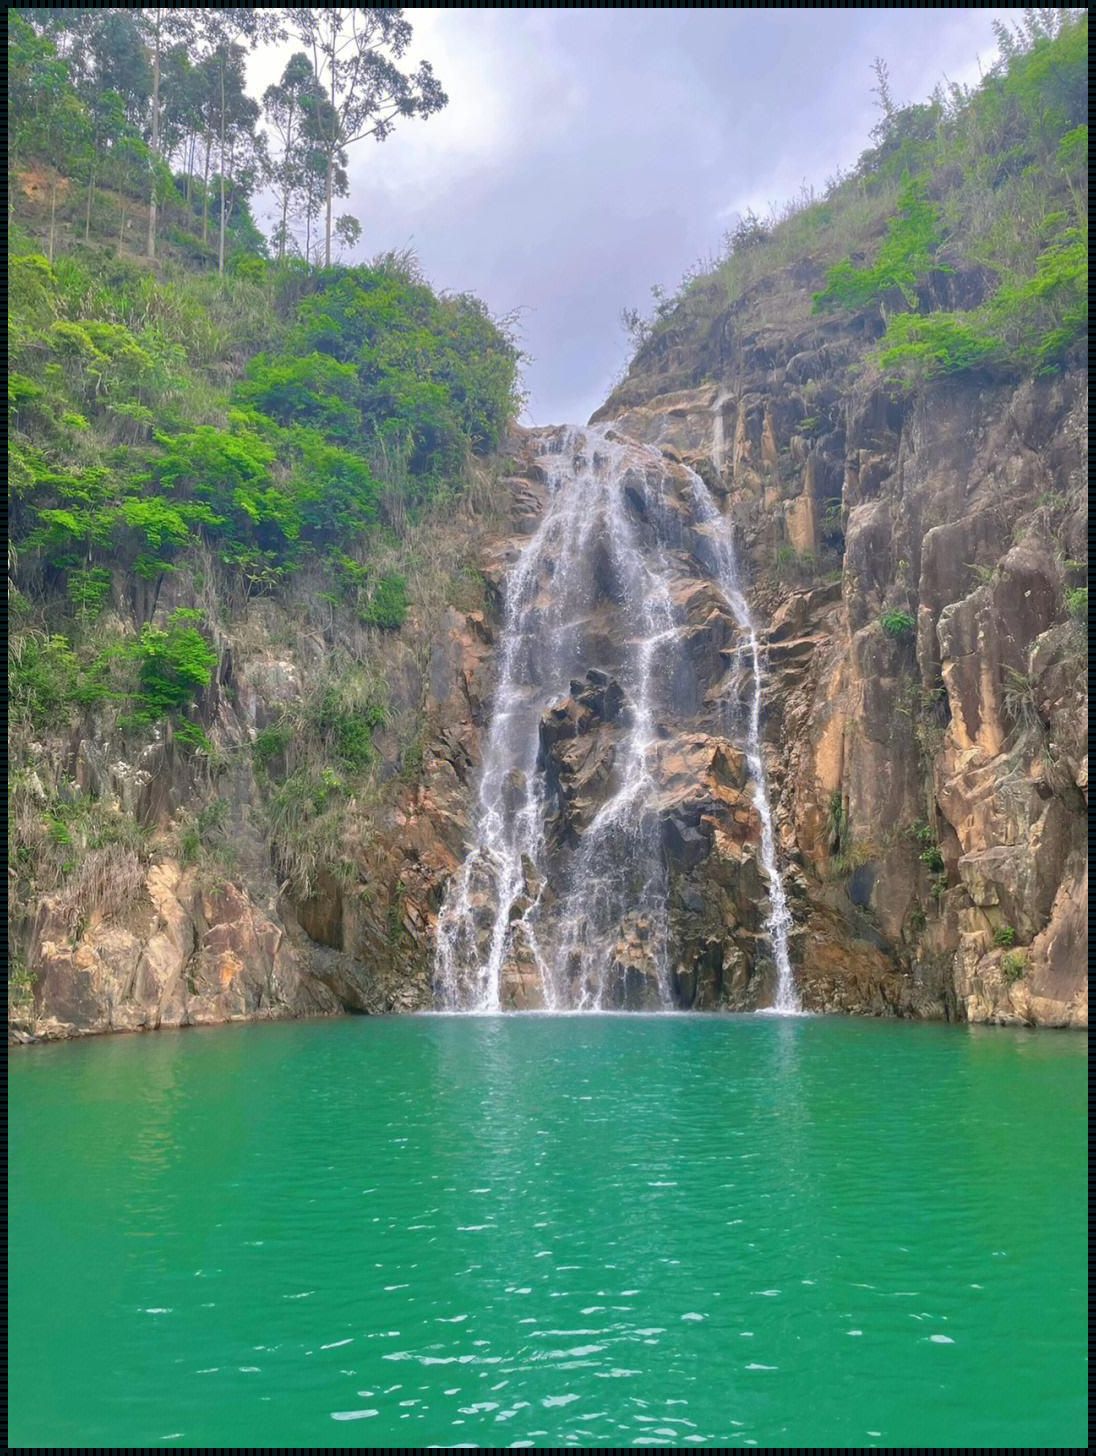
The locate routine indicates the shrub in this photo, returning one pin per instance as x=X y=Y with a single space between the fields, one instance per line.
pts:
x=174 y=665
x=933 y=859
x=1077 y=603
x=1013 y=967
x=1004 y=935
x=270 y=743
x=43 y=674
x=388 y=604
x=87 y=589
x=900 y=626
x=919 y=347
x=908 y=252
x=312 y=390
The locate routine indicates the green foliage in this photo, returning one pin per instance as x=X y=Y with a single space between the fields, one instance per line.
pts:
x=313 y=390
x=88 y=588
x=1004 y=935
x=916 y=921
x=1041 y=317
x=271 y=743
x=345 y=723
x=436 y=374
x=1013 y=967
x=933 y=859
x=21 y=983
x=122 y=457
x=989 y=181
x=1077 y=603
x=900 y=626
x=202 y=834
x=175 y=664
x=388 y=603
x=919 y=347
x=845 y=854
x=906 y=255
x=43 y=678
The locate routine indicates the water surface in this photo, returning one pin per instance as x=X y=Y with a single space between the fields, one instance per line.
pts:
x=542 y=1231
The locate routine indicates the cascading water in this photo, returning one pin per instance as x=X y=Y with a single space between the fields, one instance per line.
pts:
x=778 y=922
x=586 y=922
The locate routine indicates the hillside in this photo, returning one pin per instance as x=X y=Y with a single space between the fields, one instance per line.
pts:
x=240 y=503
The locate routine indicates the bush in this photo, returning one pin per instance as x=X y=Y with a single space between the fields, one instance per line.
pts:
x=43 y=675
x=388 y=604
x=88 y=589
x=270 y=743
x=933 y=859
x=907 y=254
x=1004 y=935
x=1013 y=967
x=311 y=390
x=919 y=347
x=1077 y=603
x=174 y=665
x=899 y=626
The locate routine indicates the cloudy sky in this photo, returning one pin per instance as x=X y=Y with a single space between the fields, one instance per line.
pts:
x=587 y=154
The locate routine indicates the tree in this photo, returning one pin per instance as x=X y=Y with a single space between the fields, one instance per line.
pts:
x=114 y=81
x=162 y=24
x=229 y=34
x=292 y=107
x=354 y=55
x=348 y=229
x=46 y=117
x=234 y=116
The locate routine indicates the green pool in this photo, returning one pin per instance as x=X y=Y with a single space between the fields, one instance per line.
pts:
x=550 y=1230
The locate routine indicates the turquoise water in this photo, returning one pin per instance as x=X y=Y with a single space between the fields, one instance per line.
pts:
x=541 y=1231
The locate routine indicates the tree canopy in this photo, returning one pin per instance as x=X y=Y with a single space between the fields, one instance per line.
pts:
x=153 y=103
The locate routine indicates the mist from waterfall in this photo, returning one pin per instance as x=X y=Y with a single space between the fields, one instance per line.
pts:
x=578 y=918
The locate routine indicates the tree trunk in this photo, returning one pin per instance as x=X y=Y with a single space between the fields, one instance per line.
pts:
x=52 y=213
x=285 y=216
x=87 y=215
x=286 y=174
x=155 y=136
x=121 y=227
x=221 y=231
x=331 y=159
x=205 y=191
x=330 y=194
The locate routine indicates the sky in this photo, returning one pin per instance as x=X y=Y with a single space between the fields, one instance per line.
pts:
x=588 y=154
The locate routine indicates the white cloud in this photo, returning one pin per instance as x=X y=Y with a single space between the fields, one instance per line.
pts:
x=586 y=154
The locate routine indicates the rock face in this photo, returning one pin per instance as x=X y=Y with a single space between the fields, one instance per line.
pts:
x=184 y=944
x=924 y=725
x=926 y=696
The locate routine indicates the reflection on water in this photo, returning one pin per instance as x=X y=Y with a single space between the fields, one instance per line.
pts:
x=596 y=1230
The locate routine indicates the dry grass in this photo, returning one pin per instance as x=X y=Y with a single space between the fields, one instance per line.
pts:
x=105 y=883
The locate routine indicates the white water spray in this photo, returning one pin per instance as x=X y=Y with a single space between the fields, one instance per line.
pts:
x=589 y=924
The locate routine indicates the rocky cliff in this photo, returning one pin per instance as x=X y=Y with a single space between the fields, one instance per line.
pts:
x=926 y=697
x=924 y=724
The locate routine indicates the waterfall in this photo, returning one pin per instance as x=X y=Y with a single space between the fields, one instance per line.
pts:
x=778 y=922
x=582 y=921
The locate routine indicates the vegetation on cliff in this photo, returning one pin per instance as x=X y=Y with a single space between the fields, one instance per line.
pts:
x=960 y=237
x=198 y=433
